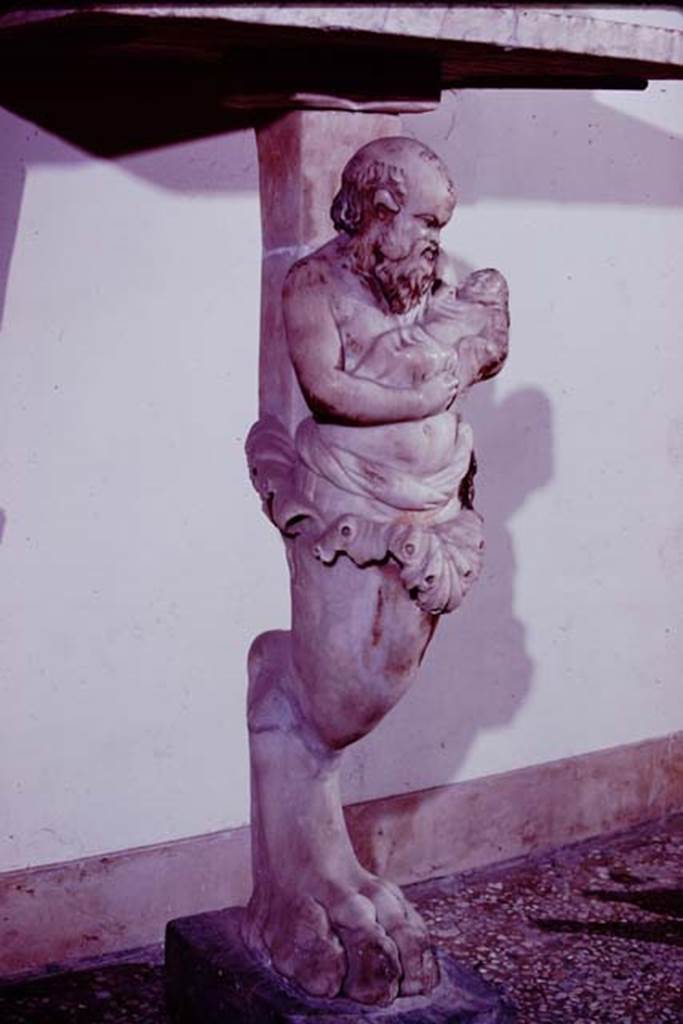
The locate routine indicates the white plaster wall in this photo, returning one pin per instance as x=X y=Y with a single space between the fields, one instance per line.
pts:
x=572 y=639
x=135 y=566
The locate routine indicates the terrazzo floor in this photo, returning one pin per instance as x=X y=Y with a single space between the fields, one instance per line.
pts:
x=591 y=934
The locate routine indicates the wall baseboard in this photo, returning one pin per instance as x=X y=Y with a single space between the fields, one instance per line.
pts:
x=80 y=909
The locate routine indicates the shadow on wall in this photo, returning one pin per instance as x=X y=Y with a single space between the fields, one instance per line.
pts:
x=558 y=146
x=477 y=672
x=479 y=668
x=550 y=146
x=555 y=146
x=224 y=163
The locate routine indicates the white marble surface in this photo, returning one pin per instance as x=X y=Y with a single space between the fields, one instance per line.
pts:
x=373 y=496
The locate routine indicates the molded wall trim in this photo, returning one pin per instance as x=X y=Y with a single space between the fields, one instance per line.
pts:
x=64 y=913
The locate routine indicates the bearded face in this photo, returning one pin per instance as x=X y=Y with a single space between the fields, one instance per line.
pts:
x=396 y=231
x=394 y=252
x=404 y=282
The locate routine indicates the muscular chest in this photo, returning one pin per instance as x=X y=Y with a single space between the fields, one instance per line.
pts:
x=360 y=321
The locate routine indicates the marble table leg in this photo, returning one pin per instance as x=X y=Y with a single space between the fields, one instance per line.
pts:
x=365 y=466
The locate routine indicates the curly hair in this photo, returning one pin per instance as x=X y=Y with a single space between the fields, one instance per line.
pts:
x=360 y=180
x=380 y=164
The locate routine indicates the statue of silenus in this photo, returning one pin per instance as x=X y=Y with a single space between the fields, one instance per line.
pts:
x=373 y=498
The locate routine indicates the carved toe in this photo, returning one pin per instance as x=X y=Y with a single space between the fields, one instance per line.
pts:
x=401 y=921
x=374 y=968
x=303 y=947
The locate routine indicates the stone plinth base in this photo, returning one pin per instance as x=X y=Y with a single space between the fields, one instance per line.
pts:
x=212 y=979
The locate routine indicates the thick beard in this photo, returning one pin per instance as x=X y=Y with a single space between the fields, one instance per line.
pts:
x=405 y=282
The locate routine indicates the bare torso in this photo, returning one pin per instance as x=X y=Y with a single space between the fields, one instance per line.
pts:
x=422 y=445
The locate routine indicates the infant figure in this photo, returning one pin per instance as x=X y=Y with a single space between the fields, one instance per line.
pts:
x=462 y=332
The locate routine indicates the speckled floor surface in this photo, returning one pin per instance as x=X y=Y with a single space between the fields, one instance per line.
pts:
x=592 y=934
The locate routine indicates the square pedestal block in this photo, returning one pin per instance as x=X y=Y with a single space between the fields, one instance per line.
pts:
x=212 y=978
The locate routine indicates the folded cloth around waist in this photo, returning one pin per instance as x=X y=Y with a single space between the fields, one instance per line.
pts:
x=399 y=489
x=371 y=516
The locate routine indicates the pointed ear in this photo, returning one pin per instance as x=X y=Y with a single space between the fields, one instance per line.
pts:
x=383 y=197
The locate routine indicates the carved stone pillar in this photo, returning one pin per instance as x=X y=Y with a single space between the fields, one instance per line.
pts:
x=364 y=464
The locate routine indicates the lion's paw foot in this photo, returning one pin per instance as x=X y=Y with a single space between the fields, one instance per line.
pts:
x=364 y=942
